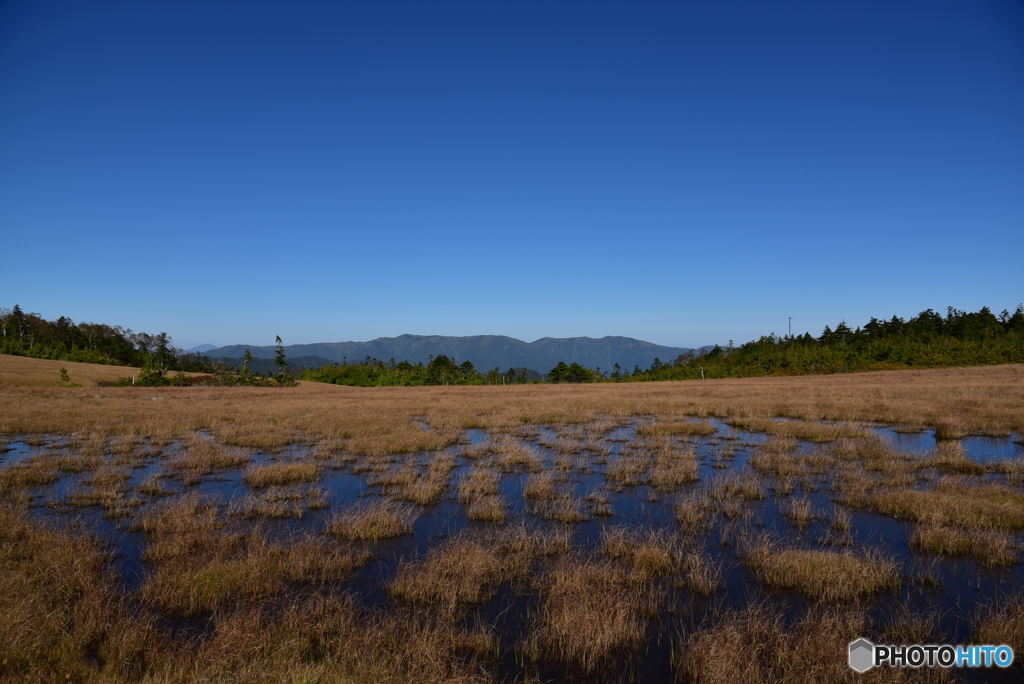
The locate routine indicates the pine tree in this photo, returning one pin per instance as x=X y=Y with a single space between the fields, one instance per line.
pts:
x=279 y=359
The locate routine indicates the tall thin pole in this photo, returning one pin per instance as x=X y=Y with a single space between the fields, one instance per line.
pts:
x=790 y=327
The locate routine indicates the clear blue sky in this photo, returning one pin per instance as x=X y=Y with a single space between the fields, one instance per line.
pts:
x=685 y=173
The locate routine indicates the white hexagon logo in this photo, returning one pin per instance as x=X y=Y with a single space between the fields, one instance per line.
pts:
x=862 y=655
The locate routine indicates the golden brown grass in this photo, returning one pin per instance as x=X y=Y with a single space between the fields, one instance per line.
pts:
x=950 y=456
x=692 y=512
x=372 y=521
x=755 y=645
x=540 y=486
x=278 y=474
x=490 y=508
x=32 y=473
x=278 y=502
x=733 y=484
x=678 y=428
x=628 y=469
x=273 y=607
x=59 y=606
x=1001 y=621
x=478 y=483
x=591 y=611
x=988 y=547
x=199 y=565
x=563 y=508
x=601 y=502
x=673 y=469
x=21 y=371
x=649 y=553
x=799 y=512
x=822 y=575
x=467 y=568
x=955 y=502
x=327 y=637
x=511 y=455
x=245 y=567
x=799 y=430
x=203 y=456
x=380 y=420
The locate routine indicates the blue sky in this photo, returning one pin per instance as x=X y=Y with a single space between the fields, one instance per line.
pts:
x=685 y=173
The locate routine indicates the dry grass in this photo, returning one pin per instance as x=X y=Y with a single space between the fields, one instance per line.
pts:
x=951 y=457
x=799 y=512
x=487 y=508
x=204 y=456
x=279 y=474
x=58 y=605
x=564 y=508
x=326 y=637
x=278 y=502
x=756 y=645
x=1001 y=621
x=692 y=512
x=32 y=473
x=380 y=420
x=540 y=486
x=248 y=567
x=272 y=604
x=480 y=482
x=511 y=455
x=956 y=503
x=673 y=469
x=199 y=566
x=628 y=469
x=822 y=575
x=990 y=548
x=601 y=502
x=678 y=428
x=591 y=611
x=467 y=568
x=733 y=484
x=372 y=521
x=842 y=521
x=799 y=430
x=649 y=553
x=21 y=371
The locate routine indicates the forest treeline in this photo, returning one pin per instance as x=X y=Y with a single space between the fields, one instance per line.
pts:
x=928 y=340
x=29 y=334
x=441 y=370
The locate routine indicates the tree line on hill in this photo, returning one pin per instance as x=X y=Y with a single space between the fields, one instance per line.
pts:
x=31 y=335
x=441 y=370
x=927 y=340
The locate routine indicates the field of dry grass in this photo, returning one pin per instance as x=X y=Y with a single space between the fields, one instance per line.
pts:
x=578 y=531
x=21 y=371
x=382 y=420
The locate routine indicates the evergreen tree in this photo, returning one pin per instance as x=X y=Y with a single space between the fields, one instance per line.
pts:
x=279 y=359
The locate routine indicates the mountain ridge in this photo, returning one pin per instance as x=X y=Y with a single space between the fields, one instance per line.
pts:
x=484 y=351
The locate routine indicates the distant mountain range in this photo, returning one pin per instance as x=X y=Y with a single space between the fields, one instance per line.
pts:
x=484 y=351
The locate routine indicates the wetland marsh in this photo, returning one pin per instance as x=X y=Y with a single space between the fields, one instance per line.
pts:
x=719 y=531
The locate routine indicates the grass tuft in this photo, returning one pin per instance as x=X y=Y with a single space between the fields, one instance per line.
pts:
x=372 y=521
x=822 y=575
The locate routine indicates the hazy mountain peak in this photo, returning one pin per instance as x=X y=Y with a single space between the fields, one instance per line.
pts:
x=484 y=351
